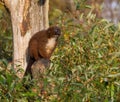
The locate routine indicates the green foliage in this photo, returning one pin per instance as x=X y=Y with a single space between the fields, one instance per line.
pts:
x=12 y=89
x=86 y=64
x=5 y=34
x=84 y=67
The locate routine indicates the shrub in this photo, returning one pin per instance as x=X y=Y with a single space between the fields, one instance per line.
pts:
x=84 y=67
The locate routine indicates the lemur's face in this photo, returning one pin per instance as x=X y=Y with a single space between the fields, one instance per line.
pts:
x=57 y=31
x=54 y=31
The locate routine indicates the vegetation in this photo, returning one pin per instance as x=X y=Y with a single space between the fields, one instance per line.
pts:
x=5 y=34
x=84 y=68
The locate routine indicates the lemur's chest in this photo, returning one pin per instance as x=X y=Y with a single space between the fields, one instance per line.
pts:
x=50 y=45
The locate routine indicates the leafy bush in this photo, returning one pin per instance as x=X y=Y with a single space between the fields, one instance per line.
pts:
x=84 y=67
x=86 y=63
x=12 y=88
x=5 y=34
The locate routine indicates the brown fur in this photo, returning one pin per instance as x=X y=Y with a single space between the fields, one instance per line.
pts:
x=41 y=46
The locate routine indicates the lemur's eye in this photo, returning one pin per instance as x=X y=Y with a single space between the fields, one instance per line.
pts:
x=57 y=31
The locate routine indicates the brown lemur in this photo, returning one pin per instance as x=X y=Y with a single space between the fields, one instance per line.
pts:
x=42 y=45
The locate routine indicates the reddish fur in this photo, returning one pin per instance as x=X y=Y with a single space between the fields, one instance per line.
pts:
x=37 y=45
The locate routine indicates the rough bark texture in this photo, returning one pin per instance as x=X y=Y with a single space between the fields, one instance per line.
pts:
x=28 y=17
x=39 y=67
x=38 y=72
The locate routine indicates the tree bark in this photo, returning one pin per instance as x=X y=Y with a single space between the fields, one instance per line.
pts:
x=28 y=17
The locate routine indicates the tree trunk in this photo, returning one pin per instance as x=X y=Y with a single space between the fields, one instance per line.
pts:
x=28 y=17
